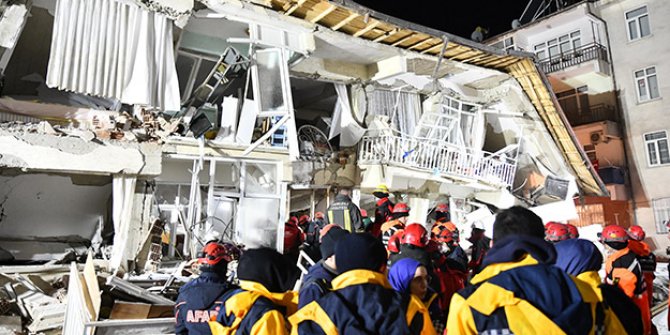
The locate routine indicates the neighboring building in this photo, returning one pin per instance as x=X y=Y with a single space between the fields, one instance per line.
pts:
x=606 y=61
x=287 y=100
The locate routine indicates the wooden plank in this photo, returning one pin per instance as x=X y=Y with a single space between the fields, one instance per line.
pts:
x=435 y=47
x=386 y=35
x=404 y=39
x=91 y=282
x=294 y=7
x=323 y=14
x=420 y=43
x=367 y=28
x=129 y=310
x=348 y=19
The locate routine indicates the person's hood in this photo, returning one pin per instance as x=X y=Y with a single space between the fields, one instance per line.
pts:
x=576 y=256
x=514 y=247
x=267 y=267
x=401 y=274
x=639 y=248
x=205 y=289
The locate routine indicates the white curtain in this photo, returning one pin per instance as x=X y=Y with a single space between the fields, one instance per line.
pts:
x=402 y=108
x=114 y=49
x=123 y=194
x=343 y=122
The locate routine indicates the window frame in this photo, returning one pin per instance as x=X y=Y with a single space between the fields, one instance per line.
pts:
x=636 y=19
x=556 y=42
x=656 y=148
x=661 y=206
x=645 y=76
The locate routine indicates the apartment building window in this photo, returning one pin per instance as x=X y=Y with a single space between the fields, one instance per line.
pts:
x=647 y=84
x=563 y=44
x=661 y=208
x=637 y=22
x=657 y=148
x=506 y=44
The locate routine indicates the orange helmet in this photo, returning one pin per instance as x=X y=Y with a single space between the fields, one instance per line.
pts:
x=213 y=253
x=614 y=233
x=394 y=242
x=416 y=235
x=556 y=232
x=401 y=208
x=574 y=233
x=447 y=236
x=636 y=233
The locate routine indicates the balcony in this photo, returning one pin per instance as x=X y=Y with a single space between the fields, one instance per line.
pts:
x=441 y=158
x=584 y=54
x=591 y=114
x=612 y=175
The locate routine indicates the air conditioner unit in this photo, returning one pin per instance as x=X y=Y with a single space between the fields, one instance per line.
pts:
x=597 y=137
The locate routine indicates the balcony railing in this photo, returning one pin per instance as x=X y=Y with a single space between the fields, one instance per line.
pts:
x=574 y=57
x=440 y=158
x=594 y=113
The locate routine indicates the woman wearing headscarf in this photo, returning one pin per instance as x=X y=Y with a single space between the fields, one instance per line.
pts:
x=264 y=300
x=612 y=310
x=410 y=279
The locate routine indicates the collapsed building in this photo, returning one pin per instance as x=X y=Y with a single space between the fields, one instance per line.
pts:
x=141 y=130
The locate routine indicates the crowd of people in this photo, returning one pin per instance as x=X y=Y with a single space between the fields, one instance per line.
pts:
x=384 y=275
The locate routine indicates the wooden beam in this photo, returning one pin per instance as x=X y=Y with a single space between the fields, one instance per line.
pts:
x=386 y=35
x=294 y=7
x=323 y=14
x=420 y=42
x=349 y=18
x=403 y=40
x=434 y=47
x=367 y=28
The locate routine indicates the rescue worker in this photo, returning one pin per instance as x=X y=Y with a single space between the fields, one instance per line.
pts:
x=574 y=233
x=448 y=242
x=410 y=279
x=413 y=243
x=303 y=223
x=383 y=209
x=393 y=248
x=623 y=270
x=200 y=299
x=398 y=221
x=612 y=310
x=317 y=281
x=442 y=213
x=293 y=238
x=311 y=243
x=519 y=291
x=450 y=273
x=555 y=232
x=262 y=302
x=362 y=300
x=480 y=246
x=645 y=257
x=344 y=213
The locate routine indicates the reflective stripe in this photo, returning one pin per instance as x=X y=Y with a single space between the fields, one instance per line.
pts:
x=347 y=221
x=330 y=217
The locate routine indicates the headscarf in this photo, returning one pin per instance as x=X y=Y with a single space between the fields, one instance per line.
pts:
x=267 y=267
x=402 y=273
x=577 y=256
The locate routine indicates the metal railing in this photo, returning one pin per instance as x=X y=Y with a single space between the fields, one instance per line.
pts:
x=439 y=158
x=574 y=57
x=594 y=113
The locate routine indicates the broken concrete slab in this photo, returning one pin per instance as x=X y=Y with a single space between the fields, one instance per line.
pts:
x=10 y=325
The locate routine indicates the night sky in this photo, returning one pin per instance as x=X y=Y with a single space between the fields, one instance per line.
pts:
x=455 y=17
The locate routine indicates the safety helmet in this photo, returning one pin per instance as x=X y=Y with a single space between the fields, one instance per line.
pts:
x=556 y=232
x=574 y=233
x=636 y=233
x=614 y=233
x=213 y=253
x=437 y=228
x=446 y=236
x=381 y=188
x=304 y=219
x=442 y=208
x=293 y=221
x=394 y=242
x=416 y=235
x=401 y=208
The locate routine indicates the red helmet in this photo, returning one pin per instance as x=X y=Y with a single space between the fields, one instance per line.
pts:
x=574 y=233
x=556 y=232
x=304 y=219
x=447 y=236
x=614 y=233
x=442 y=207
x=213 y=253
x=636 y=233
x=437 y=228
x=416 y=235
x=293 y=221
x=394 y=242
x=401 y=208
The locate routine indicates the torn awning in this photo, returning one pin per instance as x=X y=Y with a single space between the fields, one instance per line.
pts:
x=114 y=49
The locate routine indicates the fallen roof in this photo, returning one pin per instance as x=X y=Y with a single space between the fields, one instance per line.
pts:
x=358 y=21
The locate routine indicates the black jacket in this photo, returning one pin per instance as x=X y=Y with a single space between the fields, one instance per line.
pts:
x=345 y=214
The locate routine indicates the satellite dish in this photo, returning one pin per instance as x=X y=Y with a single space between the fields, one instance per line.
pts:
x=516 y=24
